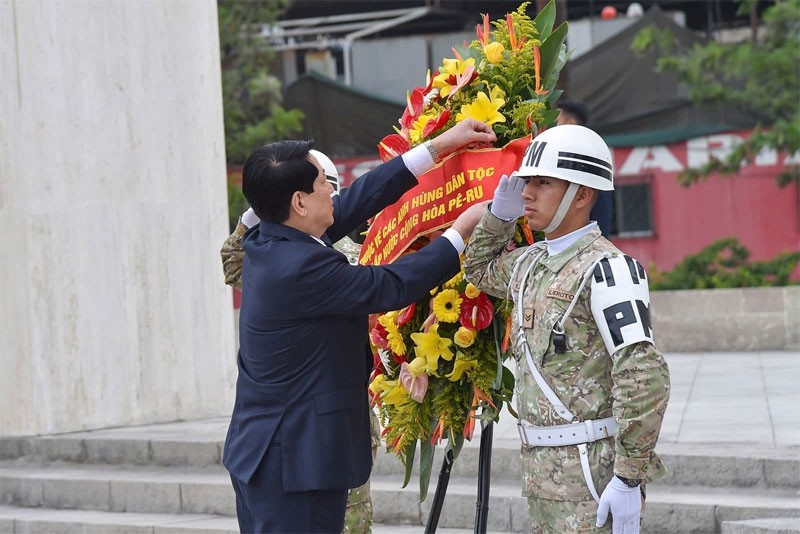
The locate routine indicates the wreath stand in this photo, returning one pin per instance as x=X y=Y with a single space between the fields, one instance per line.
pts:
x=484 y=479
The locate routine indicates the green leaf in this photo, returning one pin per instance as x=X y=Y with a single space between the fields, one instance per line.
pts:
x=411 y=450
x=455 y=444
x=551 y=48
x=426 y=451
x=545 y=19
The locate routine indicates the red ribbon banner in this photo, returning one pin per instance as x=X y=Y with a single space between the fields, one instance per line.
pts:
x=442 y=194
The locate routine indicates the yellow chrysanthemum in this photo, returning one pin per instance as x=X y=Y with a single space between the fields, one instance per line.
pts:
x=485 y=108
x=432 y=346
x=494 y=52
x=393 y=336
x=453 y=282
x=471 y=291
x=447 y=306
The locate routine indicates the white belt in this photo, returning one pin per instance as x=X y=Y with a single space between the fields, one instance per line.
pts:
x=572 y=434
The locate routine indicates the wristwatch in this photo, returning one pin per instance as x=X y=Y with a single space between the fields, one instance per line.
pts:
x=630 y=482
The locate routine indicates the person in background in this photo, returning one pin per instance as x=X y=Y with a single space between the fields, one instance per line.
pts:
x=299 y=435
x=575 y=112
x=591 y=387
x=358 y=516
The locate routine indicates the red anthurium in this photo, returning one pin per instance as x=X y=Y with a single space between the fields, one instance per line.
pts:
x=379 y=336
x=392 y=146
x=406 y=314
x=476 y=313
x=436 y=124
x=414 y=107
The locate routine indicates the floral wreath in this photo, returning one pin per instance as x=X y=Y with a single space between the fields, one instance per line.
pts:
x=439 y=362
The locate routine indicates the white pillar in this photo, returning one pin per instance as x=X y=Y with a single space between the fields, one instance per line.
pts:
x=112 y=212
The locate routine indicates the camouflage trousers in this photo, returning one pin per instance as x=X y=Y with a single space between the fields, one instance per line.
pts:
x=358 y=516
x=548 y=516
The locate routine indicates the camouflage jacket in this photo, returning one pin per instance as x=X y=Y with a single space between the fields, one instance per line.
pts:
x=632 y=384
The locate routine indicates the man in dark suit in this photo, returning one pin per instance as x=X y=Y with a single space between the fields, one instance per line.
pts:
x=299 y=435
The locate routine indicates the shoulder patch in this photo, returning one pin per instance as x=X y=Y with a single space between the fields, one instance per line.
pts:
x=560 y=294
x=621 y=302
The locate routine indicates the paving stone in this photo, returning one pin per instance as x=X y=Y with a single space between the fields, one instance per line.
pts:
x=76 y=494
x=781 y=525
x=58 y=448
x=143 y=496
x=21 y=491
x=193 y=454
x=198 y=498
x=117 y=451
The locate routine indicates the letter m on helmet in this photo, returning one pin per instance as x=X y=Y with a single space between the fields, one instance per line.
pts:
x=534 y=153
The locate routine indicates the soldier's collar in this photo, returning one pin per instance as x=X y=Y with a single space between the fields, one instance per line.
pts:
x=557 y=261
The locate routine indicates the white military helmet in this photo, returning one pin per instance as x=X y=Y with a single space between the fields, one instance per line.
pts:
x=572 y=153
x=327 y=167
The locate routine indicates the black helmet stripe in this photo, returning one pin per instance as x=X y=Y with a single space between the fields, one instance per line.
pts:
x=583 y=157
x=584 y=163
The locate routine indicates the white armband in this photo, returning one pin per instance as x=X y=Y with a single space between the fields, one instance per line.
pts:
x=621 y=302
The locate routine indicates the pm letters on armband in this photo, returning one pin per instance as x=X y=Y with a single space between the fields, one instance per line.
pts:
x=621 y=302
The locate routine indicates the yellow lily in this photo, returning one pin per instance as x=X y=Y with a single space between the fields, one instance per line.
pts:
x=397 y=396
x=418 y=366
x=379 y=384
x=452 y=74
x=485 y=108
x=460 y=366
x=431 y=346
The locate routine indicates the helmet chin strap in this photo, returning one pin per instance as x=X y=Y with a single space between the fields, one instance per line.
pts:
x=561 y=212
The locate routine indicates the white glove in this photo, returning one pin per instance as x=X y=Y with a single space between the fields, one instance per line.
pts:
x=625 y=504
x=250 y=219
x=508 y=204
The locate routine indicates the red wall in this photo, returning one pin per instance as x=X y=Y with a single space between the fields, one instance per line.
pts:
x=750 y=206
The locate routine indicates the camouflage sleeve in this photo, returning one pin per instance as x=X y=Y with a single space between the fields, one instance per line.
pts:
x=641 y=392
x=487 y=263
x=232 y=255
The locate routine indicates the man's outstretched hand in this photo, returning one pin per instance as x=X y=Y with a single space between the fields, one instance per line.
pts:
x=467 y=133
x=467 y=221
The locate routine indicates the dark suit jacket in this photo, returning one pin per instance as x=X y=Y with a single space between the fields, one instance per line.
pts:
x=304 y=360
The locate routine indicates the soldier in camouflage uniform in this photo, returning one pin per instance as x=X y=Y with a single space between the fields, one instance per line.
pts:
x=591 y=387
x=358 y=517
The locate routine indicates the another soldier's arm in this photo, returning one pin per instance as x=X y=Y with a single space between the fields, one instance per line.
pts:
x=232 y=250
x=641 y=392
x=487 y=264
